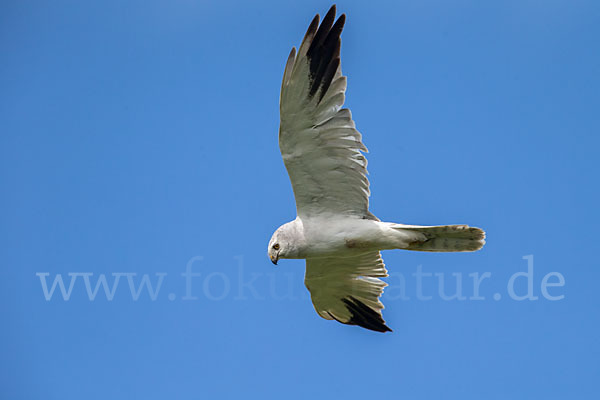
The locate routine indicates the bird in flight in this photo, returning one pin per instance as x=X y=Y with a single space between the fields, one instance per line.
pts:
x=323 y=154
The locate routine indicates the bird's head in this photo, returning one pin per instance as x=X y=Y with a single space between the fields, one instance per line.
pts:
x=276 y=247
x=282 y=244
x=286 y=242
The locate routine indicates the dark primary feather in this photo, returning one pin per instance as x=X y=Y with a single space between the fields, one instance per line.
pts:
x=363 y=315
x=324 y=51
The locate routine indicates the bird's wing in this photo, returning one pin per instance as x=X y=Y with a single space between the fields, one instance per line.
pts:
x=347 y=289
x=319 y=144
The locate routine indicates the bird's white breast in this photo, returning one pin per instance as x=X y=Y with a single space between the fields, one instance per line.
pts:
x=344 y=235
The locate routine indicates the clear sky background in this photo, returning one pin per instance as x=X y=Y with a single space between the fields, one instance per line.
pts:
x=138 y=136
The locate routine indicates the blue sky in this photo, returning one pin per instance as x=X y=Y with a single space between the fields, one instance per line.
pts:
x=140 y=138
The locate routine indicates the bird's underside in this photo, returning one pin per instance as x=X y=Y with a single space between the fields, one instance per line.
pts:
x=323 y=154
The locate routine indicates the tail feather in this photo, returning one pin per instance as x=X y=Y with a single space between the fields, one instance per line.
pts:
x=446 y=238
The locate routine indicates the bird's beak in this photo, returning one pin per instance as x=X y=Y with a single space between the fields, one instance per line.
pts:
x=274 y=258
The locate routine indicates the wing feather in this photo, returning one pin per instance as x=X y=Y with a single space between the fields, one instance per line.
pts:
x=319 y=143
x=347 y=289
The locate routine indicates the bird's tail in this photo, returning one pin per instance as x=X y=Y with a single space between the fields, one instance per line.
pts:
x=445 y=238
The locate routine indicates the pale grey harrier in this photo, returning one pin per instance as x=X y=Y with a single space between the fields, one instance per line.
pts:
x=334 y=230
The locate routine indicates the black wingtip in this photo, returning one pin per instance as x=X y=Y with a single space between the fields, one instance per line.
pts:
x=324 y=51
x=364 y=316
x=312 y=28
x=331 y=12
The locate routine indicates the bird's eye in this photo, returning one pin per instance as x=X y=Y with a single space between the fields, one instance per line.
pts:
x=276 y=246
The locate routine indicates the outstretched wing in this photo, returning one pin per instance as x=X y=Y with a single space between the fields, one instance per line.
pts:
x=347 y=289
x=320 y=146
